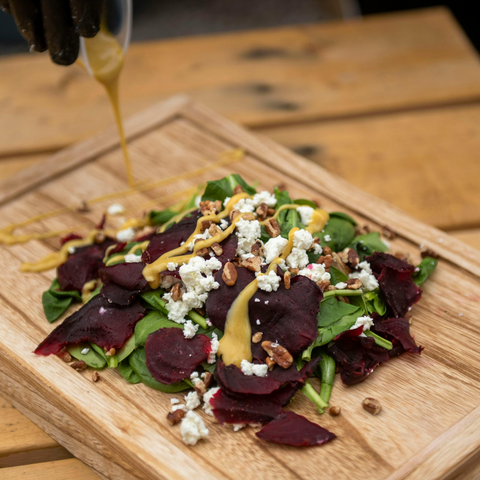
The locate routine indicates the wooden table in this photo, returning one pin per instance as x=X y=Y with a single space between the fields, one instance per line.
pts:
x=390 y=103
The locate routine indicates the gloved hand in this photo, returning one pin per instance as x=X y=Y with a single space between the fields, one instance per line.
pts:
x=55 y=24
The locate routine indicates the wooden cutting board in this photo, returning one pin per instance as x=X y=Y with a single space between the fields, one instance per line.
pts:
x=430 y=424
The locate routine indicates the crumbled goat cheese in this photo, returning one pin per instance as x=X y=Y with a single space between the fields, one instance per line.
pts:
x=245 y=205
x=174 y=401
x=116 y=209
x=264 y=197
x=317 y=249
x=257 y=300
x=225 y=202
x=249 y=369
x=305 y=213
x=238 y=426
x=315 y=272
x=224 y=224
x=192 y=400
x=247 y=234
x=167 y=281
x=212 y=356
x=179 y=407
x=269 y=283
x=206 y=399
x=132 y=258
x=258 y=322
x=366 y=276
x=171 y=266
x=341 y=285
x=209 y=323
x=85 y=351
x=298 y=258
x=199 y=236
x=125 y=235
x=71 y=250
x=327 y=238
x=189 y=329
x=267 y=302
x=102 y=310
x=198 y=280
x=192 y=429
x=198 y=199
x=302 y=239
x=274 y=248
x=365 y=322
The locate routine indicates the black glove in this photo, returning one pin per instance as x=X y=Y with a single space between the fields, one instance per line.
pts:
x=56 y=24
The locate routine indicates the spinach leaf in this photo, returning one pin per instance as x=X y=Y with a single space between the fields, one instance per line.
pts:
x=154 y=300
x=332 y=310
x=343 y=216
x=366 y=244
x=304 y=201
x=340 y=231
x=221 y=189
x=94 y=293
x=139 y=366
x=127 y=349
x=292 y=220
x=336 y=276
x=162 y=216
x=426 y=267
x=151 y=323
x=127 y=372
x=92 y=359
x=282 y=196
x=55 y=301
x=112 y=360
x=209 y=367
x=371 y=302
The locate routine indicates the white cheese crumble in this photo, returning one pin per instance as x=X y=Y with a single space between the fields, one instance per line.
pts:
x=365 y=322
x=171 y=266
x=245 y=205
x=238 y=426
x=192 y=400
x=225 y=202
x=224 y=224
x=269 y=283
x=199 y=236
x=132 y=258
x=274 y=248
x=85 y=351
x=341 y=285
x=305 y=213
x=264 y=197
x=179 y=407
x=174 y=401
x=212 y=356
x=302 y=239
x=258 y=322
x=125 y=235
x=365 y=275
x=257 y=300
x=206 y=399
x=192 y=429
x=71 y=250
x=315 y=272
x=209 y=322
x=116 y=209
x=298 y=258
x=317 y=249
x=327 y=238
x=247 y=234
x=189 y=329
x=249 y=369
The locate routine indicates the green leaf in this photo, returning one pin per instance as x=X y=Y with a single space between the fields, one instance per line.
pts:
x=127 y=349
x=162 y=216
x=340 y=231
x=55 y=301
x=92 y=359
x=154 y=300
x=375 y=303
x=94 y=293
x=126 y=371
x=151 y=323
x=221 y=189
x=426 y=267
x=209 y=367
x=112 y=360
x=139 y=366
x=282 y=196
x=304 y=201
x=366 y=244
x=292 y=220
x=343 y=216
x=336 y=276
x=332 y=310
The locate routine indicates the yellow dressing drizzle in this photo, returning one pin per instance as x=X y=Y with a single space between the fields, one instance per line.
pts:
x=318 y=221
x=119 y=258
x=87 y=289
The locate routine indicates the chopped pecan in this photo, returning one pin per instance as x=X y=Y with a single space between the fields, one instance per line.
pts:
x=205 y=225
x=362 y=230
x=328 y=261
x=270 y=212
x=294 y=271
x=229 y=275
x=64 y=355
x=372 y=406
x=203 y=252
x=262 y=211
x=323 y=284
x=272 y=227
x=427 y=252
x=353 y=258
x=238 y=189
x=100 y=237
x=334 y=411
x=354 y=284
x=330 y=288
x=200 y=388
x=388 y=233
x=217 y=205
x=111 y=352
x=248 y=216
x=95 y=377
x=200 y=311
x=252 y=263
x=327 y=251
x=79 y=365
x=280 y=354
x=176 y=292
x=258 y=249
x=339 y=264
x=217 y=249
x=207 y=379
x=321 y=259
x=257 y=338
x=234 y=214
x=174 y=417
x=214 y=229
x=270 y=363
x=207 y=207
x=287 y=276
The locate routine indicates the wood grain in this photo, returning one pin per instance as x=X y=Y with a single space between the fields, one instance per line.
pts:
x=259 y=78
x=121 y=431
x=471 y=237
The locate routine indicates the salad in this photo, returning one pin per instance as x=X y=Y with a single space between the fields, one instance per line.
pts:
x=237 y=298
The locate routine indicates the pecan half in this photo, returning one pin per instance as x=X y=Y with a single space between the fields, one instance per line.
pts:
x=174 y=417
x=427 y=252
x=270 y=212
x=234 y=214
x=334 y=411
x=203 y=252
x=207 y=379
x=218 y=205
x=287 y=276
x=262 y=211
x=272 y=227
x=176 y=292
x=217 y=249
x=200 y=388
x=280 y=354
x=95 y=377
x=238 y=189
x=205 y=225
x=79 y=365
x=258 y=249
x=248 y=216
x=229 y=275
x=257 y=338
x=64 y=355
x=252 y=263
x=270 y=363
x=323 y=284
x=214 y=229
x=354 y=284
x=372 y=406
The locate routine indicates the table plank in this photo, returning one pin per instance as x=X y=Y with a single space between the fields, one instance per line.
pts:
x=71 y=469
x=259 y=78
x=425 y=162
x=471 y=237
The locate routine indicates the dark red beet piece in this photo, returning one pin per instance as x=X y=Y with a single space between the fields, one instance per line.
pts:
x=171 y=357
x=229 y=246
x=70 y=236
x=172 y=238
x=99 y=322
x=397 y=330
x=247 y=409
x=378 y=261
x=292 y=429
x=399 y=290
x=122 y=282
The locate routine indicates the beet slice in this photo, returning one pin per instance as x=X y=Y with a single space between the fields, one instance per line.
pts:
x=399 y=290
x=229 y=246
x=378 y=261
x=246 y=409
x=292 y=429
x=99 y=322
x=172 y=238
x=70 y=236
x=171 y=357
x=397 y=330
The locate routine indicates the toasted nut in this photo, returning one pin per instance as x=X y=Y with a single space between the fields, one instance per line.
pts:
x=334 y=411
x=330 y=288
x=427 y=252
x=371 y=405
x=214 y=230
x=327 y=250
x=238 y=189
x=248 y=216
x=257 y=338
x=174 y=417
x=321 y=259
x=205 y=225
x=203 y=252
x=388 y=233
x=176 y=292
x=111 y=352
x=339 y=264
x=362 y=230
x=65 y=356
x=207 y=207
x=207 y=380
x=218 y=205
x=229 y=275
x=79 y=365
x=201 y=311
x=99 y=237
x=270 y=212
x=344 y=299
x=258 y=249
x=217 y=249
x=252 y=263
x=270 y=363
x=272 y=227
x=280 y=354
x=200 y=388
x=287 y=276
x=405 y=256
x=323 y=284
x=328 y=261
x=83 y=208
x=262 y=211
x=353 y=258
x=234 y=214
x=294 y=271
x=354 y=284
x=95 y=377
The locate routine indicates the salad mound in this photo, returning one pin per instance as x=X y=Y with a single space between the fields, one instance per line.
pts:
x=239 y=297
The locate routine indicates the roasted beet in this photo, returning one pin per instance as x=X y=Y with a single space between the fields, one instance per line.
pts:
x=229 y=247
x=70 y=236
x=171 y=357
x=99 y=322
x=378 y=261
x=172 y=238
x=397 y=330
x=247 y=409
x=292 y=429
x=122 y=282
